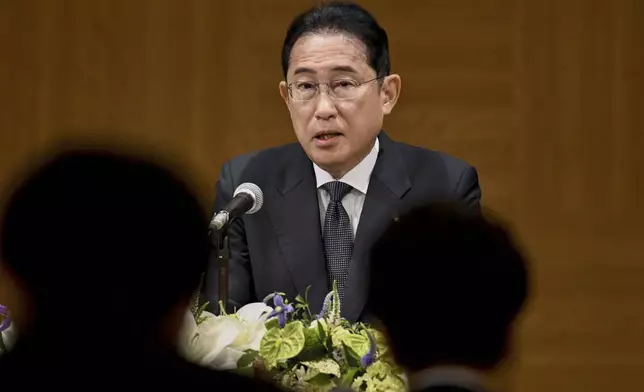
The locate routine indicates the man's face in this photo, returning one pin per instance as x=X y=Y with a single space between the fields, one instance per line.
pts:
x=338 y=125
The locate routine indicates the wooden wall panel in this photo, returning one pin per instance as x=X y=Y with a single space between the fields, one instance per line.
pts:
x=581 y=192
x=545 y=97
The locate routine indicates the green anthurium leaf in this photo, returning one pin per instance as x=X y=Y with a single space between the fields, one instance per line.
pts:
x=309 y=374
x=312 y=336
x=349 y=376
x=338 y=334
x=322 y=383
x=353 y=359
x=313 y=347
x=282 y=343
x=357 y=342
x=247 y=359
x=325 y=337
x=324 y=365
x=272 y=323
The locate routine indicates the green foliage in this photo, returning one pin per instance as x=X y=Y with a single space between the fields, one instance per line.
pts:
x=272 y=323
x=247 y=359
x=314 y=347
x=379 y=377
x=348 y=376
x=198 y=313
x=282 y=343
x=311 y=354
x=302 y=308
x=222 y=309
x=355 y=341
x=324 y=365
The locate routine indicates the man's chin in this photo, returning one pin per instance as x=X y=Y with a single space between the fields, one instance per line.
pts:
x=331 y=164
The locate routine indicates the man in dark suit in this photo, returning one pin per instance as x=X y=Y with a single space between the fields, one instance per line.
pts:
x=327 y=197
x=450 y=313
x=105 y=251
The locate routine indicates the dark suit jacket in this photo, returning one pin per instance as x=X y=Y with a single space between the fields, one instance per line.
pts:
x=280 y=248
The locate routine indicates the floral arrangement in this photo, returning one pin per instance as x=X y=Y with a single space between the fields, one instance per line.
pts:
x=6 y=329
x=288 y=345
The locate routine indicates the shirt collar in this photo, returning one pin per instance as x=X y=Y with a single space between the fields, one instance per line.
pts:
x=458 y=376
x=358 y=177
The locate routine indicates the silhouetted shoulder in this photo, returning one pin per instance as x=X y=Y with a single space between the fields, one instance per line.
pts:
x=449 y=389
x=146 y=372
x=200 y=377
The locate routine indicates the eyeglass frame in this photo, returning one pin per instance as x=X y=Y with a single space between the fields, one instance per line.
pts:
x=328 y=88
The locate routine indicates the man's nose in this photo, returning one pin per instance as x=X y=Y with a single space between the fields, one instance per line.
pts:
x=325 y=108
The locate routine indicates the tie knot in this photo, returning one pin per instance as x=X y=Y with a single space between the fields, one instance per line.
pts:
x=337 y=189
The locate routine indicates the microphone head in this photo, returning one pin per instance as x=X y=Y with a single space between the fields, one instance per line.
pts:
x=255 y=192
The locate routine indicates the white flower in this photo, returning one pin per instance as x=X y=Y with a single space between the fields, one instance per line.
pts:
x=219 y=341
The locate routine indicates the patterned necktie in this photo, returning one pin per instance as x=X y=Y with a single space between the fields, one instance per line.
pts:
x=337 y=236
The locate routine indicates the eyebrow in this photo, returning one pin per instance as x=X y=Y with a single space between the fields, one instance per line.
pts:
x=341 y=68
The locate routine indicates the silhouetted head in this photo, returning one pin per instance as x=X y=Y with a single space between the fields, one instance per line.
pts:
x=338 y=86
x=447 y=283
x=104 y=238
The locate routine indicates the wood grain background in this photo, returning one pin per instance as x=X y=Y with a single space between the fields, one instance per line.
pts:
x=545 y=97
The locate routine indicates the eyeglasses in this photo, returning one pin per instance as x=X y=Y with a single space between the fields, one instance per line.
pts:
x=341 y=89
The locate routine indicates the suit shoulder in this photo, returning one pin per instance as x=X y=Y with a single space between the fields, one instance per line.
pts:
x=416 y=155
x=238 y=164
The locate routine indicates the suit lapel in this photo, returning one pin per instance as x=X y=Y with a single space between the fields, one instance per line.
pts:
x=296 y=220
x=388 y=184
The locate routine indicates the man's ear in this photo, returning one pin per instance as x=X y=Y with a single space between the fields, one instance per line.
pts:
x=284 y=91
x=390 y=92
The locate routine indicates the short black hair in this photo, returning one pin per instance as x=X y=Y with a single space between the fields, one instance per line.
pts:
x=447 y=282
x=104 y=231
x=341 y=18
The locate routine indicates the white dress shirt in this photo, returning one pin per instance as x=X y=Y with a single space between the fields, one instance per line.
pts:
x=453 y=376
x=358 y=178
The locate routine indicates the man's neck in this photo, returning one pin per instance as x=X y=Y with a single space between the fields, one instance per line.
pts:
x=358 y=168
x=337 y=172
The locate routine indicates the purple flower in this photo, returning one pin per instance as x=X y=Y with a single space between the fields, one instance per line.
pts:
x=281 y=310
x=370 y=357
x=325 y=305
x=6 y=318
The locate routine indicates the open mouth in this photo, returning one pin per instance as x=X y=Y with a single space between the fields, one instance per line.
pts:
x=327 y=135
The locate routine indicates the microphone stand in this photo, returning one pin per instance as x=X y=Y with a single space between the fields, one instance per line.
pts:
x=221 y=252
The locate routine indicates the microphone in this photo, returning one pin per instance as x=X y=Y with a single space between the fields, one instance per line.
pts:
x=247 y=199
